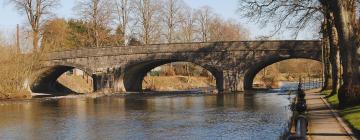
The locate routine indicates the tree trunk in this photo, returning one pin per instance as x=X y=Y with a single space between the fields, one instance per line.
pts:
x=325 y=57
x=331 y=31
x=345 y=22
x=35 y=41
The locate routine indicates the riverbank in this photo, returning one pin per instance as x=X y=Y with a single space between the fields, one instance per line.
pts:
x=350 y=114
x=14 y=73
x=323 y=121
x=176 y=83
x=151 y=84
x=15 y=96
x=79 y=84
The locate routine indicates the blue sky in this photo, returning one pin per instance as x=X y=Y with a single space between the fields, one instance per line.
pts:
x=225 y=8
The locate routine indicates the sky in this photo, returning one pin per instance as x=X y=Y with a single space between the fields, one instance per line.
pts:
x=225 y=8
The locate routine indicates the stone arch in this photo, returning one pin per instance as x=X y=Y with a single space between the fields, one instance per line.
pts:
x=254 y=69
x=134 y=74
x=45 y=80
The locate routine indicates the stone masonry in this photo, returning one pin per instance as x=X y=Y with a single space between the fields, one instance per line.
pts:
x=117 y=69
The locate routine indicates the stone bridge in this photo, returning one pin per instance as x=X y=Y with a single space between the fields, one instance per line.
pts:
x=117 y=69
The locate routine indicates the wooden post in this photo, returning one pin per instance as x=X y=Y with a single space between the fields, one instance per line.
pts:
x=17 y=39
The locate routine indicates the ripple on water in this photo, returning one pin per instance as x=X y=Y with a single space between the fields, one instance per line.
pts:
x=233 y=116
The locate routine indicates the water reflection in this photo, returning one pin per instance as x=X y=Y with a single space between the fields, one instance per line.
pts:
x=230 y=116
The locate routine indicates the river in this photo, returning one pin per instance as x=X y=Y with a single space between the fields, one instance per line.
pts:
x=262 y=115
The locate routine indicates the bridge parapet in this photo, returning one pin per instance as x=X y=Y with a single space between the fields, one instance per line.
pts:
x=295 y=45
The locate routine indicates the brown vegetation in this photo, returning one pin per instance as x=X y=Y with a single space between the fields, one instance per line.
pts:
x=173 y=83
x=137 y=22
x=287 y=70
x=78 y=84
x=182 y=75
x=14 y=73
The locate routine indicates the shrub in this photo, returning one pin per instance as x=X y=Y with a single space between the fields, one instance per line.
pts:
x=15 y=72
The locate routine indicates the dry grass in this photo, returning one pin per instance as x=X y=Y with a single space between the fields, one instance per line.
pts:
x=173 y=83
x=76 y=83
x=14 y=72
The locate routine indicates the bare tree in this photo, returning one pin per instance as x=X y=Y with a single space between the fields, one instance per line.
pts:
x=187 y=27
x=123 y=10
x=172 y=17
x=291 y=15
x=99 y=13
x=36 y=12
x=204 y=15
x=145 y=16
x=229 y=30
x=345 y=20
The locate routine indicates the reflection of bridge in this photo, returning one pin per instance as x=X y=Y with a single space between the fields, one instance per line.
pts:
x=233 y=64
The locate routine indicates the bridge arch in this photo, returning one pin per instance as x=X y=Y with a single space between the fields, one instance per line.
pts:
x=134 y=74
x=257 y=66
x=45 y=81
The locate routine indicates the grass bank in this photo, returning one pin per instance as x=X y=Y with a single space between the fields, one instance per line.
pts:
x=173 y=83
x=350 y=114
x=78 y=84
x=151 y=83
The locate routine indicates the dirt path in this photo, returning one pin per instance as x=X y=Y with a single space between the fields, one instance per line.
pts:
x=324 y=123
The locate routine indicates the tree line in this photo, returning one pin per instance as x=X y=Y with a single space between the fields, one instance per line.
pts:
x=101 y=23
x=338 y=24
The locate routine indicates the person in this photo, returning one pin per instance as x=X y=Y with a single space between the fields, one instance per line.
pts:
x=301 y=102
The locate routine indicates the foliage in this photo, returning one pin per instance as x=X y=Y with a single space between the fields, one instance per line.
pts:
x=79 y=36
x=56 y=35
x=59 y=34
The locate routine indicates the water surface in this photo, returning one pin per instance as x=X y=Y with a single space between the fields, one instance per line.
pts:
x=230 y=116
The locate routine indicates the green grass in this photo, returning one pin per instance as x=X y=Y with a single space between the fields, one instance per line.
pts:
x=326 y=92
x=350 y=114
